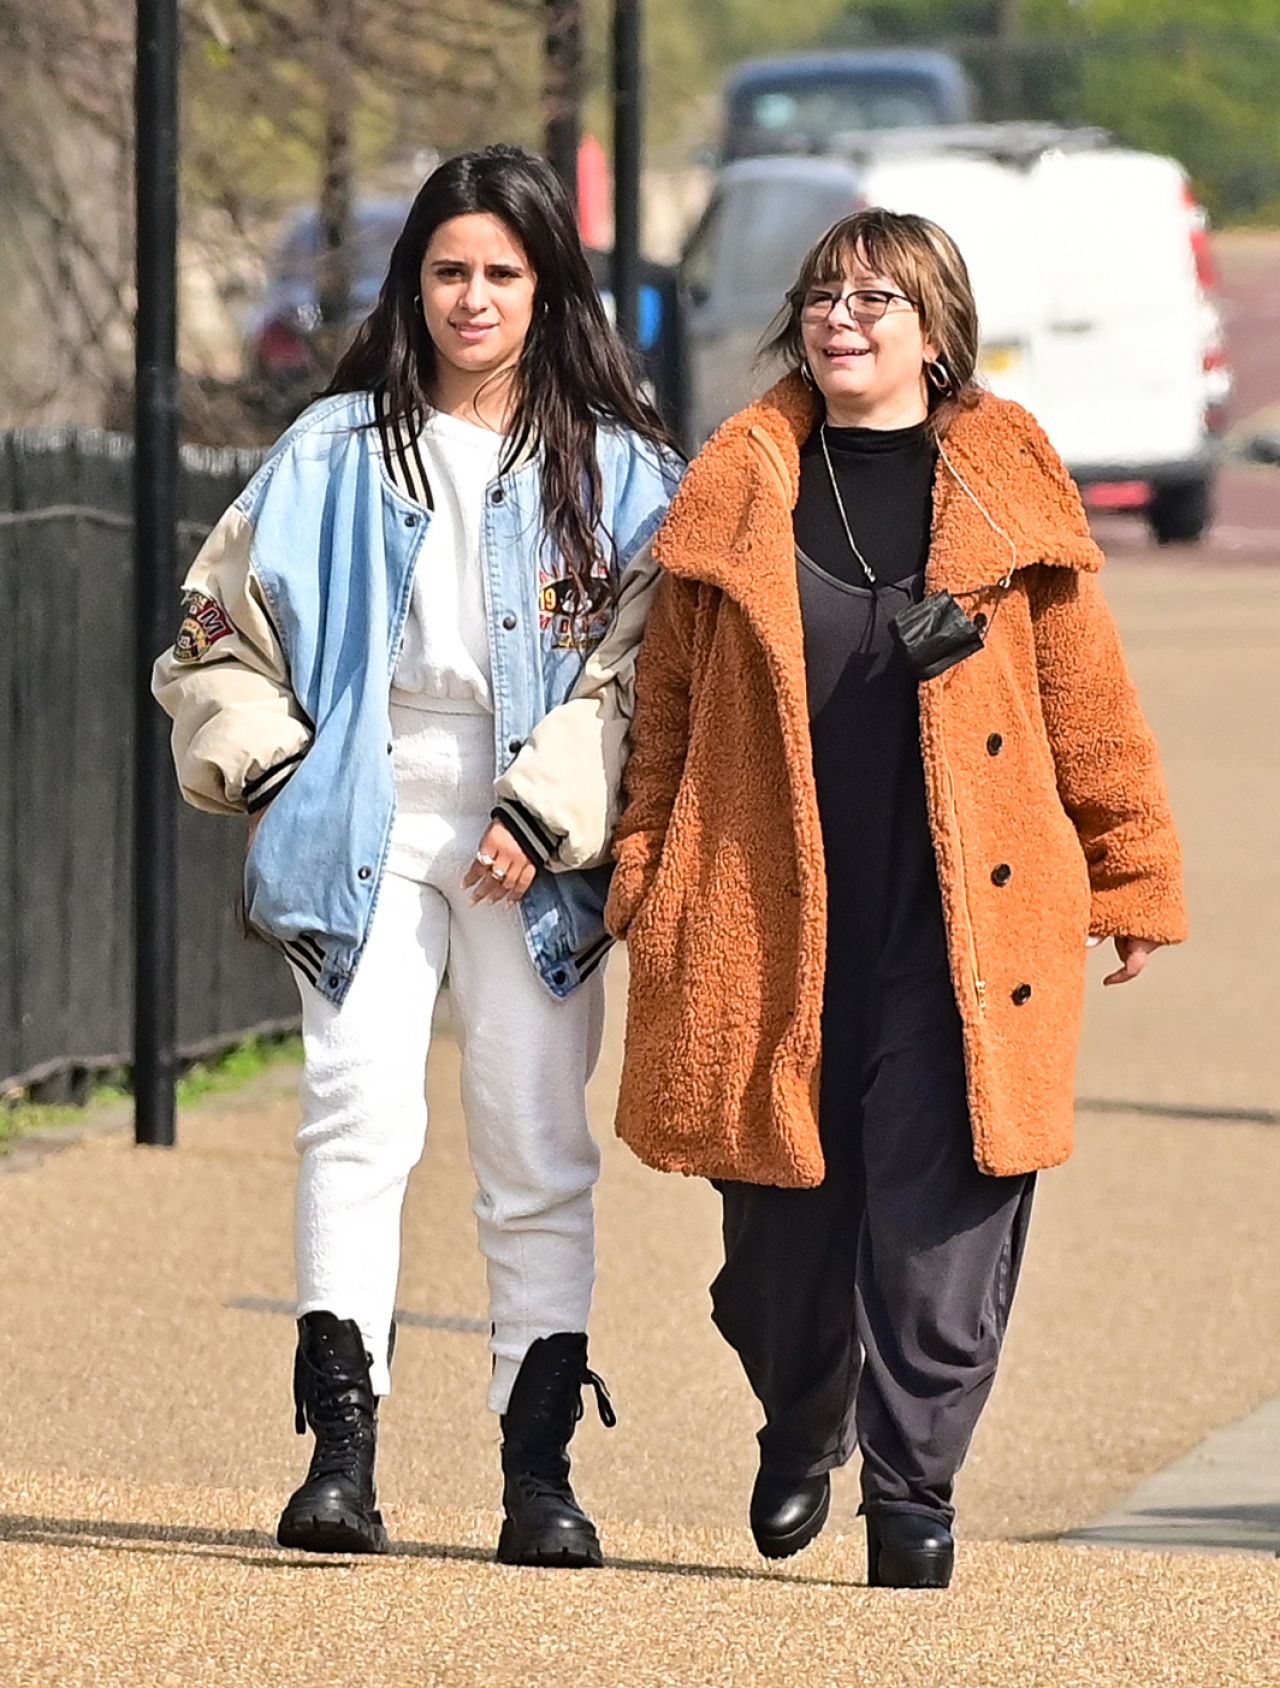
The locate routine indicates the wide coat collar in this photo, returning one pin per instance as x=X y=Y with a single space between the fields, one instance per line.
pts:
x=730 y=524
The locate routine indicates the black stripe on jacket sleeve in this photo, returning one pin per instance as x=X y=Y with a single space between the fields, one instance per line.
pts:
x=259 y=791
x=530 y=833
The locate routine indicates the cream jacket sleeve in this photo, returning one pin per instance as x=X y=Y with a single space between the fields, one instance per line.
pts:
x=238 y=730
x=563 y=793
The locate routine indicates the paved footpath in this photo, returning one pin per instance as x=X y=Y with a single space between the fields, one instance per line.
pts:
x=146 y=1426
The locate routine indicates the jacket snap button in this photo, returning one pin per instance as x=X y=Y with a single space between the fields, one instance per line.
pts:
x=559 y=977
x=1001 y=875
x=995 y=744
x=366 y=873
x=515 y=746
x=508 y=621
x=411 y=521
x=1022 y=994
x=497 y=496
x=334 y=981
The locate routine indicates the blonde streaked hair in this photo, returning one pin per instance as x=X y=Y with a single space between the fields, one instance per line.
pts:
x=924 y=263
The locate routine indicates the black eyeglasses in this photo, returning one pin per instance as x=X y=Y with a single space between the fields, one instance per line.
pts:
x=863 y=304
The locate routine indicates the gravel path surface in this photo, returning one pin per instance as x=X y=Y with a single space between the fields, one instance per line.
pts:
x=146 y=1338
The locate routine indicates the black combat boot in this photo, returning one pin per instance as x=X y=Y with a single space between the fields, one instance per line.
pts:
x=336 y=1509
x=543 y=1523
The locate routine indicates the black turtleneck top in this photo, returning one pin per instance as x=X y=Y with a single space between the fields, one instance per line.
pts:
x=885 y=913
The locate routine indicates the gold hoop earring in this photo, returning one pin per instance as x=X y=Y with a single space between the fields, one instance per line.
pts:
x=939 y=377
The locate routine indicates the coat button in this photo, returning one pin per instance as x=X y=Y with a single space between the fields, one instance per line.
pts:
x=366 y=873
x=515 y=746
x=497 y=496
x=1021 y=994
x=1001 y=875
x=411 y=521
x=559 y=977
x=334 y=981
x=508 y=621
x=995 y=744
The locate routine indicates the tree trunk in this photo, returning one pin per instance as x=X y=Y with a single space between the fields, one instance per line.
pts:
x=562 y=89
x=336 y=31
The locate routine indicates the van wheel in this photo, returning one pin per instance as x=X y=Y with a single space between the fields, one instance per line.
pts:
x=1180 y=513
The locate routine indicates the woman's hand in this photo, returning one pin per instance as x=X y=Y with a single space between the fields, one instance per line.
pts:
x=1133 y=953
x=500 y=872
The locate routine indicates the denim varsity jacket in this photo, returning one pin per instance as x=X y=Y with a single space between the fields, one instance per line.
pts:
x=280 y=677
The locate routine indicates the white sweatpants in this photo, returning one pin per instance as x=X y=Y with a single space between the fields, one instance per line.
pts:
x=526 y=1059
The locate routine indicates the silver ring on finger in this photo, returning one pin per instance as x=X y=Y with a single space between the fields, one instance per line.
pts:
x=498 y=873
x=485 y=861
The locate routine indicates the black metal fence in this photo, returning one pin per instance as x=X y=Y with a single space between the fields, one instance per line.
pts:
x=66 y=776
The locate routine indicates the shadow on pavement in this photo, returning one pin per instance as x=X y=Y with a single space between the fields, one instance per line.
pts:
x=112 y=1535
x=101 y=1534
x=650 y=1567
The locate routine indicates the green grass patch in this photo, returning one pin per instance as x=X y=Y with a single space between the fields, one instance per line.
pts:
x=201 y=1080
x=246 y=1061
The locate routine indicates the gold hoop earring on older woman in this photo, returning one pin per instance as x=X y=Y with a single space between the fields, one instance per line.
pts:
x=939 y=377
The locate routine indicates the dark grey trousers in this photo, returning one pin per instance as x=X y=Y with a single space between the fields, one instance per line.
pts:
x=870 y=1312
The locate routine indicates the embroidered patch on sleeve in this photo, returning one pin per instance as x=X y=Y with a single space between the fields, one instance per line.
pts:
x=204 y=622
x=561 y=613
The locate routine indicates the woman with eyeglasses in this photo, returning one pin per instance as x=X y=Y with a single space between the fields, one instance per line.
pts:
x=889 y=778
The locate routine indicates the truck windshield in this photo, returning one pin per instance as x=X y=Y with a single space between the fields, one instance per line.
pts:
x=804 y=114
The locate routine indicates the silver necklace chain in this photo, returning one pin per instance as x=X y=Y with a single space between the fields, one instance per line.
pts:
x=835 y=492
x=973 y=497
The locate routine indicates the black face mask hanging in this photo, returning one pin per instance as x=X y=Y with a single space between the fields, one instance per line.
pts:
x=934 y=635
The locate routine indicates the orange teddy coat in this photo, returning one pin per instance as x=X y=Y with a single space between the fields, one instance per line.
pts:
x=1037 y=759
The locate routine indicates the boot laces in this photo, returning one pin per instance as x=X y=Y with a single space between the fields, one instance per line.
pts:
x=539 y=1482
x=340 y=1417
x=344 y=1430
x=604 y=1406
x=552 y=1398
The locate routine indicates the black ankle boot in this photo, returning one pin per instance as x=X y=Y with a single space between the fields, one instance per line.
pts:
x=336 y=1509
x=908 y=1550
x=788 y=1512
x=543 y=1523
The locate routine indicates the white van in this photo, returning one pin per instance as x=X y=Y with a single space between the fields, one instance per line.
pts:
x=1090 y=269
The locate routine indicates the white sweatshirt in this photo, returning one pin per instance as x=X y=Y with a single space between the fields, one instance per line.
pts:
x=444 y=655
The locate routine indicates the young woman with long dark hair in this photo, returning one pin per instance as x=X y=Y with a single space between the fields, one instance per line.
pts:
x=406 y=656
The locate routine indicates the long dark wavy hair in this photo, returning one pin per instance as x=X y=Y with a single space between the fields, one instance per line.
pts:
x=573 y=371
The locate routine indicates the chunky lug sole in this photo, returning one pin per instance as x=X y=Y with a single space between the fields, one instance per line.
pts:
x=314 y=1529
x=783 y=1546
x=920 y=1567
x=569 y=1549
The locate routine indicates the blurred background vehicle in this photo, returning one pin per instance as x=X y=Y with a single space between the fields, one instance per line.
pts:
x=1091 y=270
x=287 y=351
x=289 y=348
x=801 y=102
